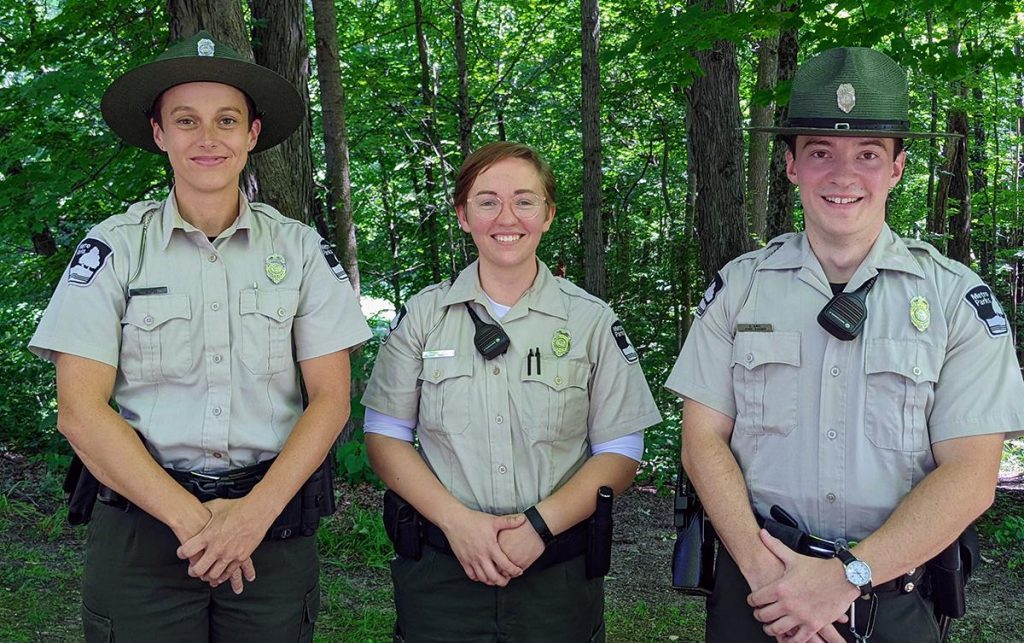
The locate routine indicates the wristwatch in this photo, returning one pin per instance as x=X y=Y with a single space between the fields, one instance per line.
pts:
x=857 y=571
x=539 y=525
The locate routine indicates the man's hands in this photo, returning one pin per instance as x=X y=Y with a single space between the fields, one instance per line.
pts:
x=802 y=604
x=221 y=550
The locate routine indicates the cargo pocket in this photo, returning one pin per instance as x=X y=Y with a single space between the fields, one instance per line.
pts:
x=765 y=375
x=310 y=610
x=901 y=376
x=445 y=394
x=98 y=629
x=555 y=402
x=267 y=315
x=156 y=336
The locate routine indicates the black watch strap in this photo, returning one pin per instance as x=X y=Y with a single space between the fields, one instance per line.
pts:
x=848 y=559
x=539 y=525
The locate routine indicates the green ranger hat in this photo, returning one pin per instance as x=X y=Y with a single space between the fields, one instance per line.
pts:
x=849 y=91
x=127 y=102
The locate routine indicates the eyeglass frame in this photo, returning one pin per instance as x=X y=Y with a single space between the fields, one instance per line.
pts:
x=472 y=206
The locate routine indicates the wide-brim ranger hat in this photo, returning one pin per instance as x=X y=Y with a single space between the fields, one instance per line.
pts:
x=127 y=102
x=849 y=91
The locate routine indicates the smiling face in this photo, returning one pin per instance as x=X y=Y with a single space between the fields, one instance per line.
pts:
x=506 y=243
x=844 y=183
x=204 y=128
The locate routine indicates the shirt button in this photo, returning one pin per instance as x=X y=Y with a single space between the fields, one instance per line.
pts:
x=496 y=370
x=214 y=306
x=436 y=374
x=502 y=469
x=218 y=454
x=217 y=359
x=917 y=370
x=499 y=419
x=216 y=411
x=835 y=371
x=212 y=258
x=749 y=357
x=147 y=320
x=280 y=312
x=558 y=379
x=831 y=497
x=831 y=434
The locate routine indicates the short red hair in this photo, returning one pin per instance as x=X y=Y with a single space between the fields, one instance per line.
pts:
x=490 y=154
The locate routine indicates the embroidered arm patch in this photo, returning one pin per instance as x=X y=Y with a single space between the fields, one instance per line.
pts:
x=332 y=261
x=716 y=286
x=988 y=310
x=90 y=257
x=622 y=340
x=395 y=322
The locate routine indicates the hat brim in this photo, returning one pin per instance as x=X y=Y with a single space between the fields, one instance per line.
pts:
x=867 y=133
x=127 y=101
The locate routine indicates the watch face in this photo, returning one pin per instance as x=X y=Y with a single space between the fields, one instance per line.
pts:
x=858 y=573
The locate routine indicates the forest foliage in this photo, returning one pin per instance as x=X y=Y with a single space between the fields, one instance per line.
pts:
x=62 y=170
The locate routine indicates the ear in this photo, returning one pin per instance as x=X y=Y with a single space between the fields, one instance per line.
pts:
x=158 y=134
x=791 y=172
x=254 y=132
x=897 y=168
x=460 y=213
x=550 y=217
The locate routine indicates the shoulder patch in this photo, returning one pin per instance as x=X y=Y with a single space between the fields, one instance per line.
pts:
x=716 y=286
x=988 y=310
x=395 y=322
x=90 y=257
x=332 y=261
x=622 y=340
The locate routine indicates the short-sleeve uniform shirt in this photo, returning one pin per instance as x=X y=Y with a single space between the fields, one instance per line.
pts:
x=503 y=434
x=838 y=432
x=205 y=335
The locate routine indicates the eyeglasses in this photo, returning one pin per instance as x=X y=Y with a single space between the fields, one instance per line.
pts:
x=526 y=205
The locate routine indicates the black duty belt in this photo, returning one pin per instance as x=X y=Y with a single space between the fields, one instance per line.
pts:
x=229 y=484
x=567 y=545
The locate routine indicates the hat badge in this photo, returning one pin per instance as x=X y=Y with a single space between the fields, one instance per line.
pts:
x=846 y=97
x=205 y=47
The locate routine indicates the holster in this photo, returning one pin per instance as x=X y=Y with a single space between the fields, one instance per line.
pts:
x=693 y=555
x=403 y=525
x=949 y=572
x=599 y=536
x=80 y=488
x=315 y=500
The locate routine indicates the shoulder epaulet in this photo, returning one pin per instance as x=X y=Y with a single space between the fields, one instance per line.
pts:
x=572 y=290
x=918 y=247
x=133 y=215
x=271 y=212
x=762 y=253
x=442 y=286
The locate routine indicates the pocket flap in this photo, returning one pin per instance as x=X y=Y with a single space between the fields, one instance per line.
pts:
x=751 y=350
x=278 y=304
x=913 y=359
x=438 y=369
x=559 y=374
x=152 y=311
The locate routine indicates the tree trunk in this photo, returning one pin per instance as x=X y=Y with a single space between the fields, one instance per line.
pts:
x=933 y=125
x=462 y=107
x=760 y=143
x=590 y=111
x=428 y=208
x=953 y=200
x=394 y=239
x=286 y=170
x=332 y=100
x=779 y=217
x=716 y=152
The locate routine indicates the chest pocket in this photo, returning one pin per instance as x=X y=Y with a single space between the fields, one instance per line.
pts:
x=555 y=404
x=446 y=394
x=901 y=376
x=156 y=340
x=266 y=318
x=765 y=377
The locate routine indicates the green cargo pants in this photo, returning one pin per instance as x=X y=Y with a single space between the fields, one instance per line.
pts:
x=136 y=589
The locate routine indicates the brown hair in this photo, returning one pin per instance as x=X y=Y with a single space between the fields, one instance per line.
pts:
x=154 y=111
x=490 y=154
x=790 y=140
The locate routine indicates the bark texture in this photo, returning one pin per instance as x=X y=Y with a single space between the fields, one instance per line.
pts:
x=590 y=111
x=779 y=216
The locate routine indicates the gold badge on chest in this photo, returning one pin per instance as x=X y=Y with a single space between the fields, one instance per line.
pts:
x=920 y=315
x=560 y=342
x=276 y=268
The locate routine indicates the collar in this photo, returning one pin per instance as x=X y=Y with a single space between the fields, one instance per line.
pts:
x=172 y=219
x=888 y=252
x=544 y=295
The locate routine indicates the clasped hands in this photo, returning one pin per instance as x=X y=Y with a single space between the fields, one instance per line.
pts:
x=221 y=550
x=804 y=599
x=493 y=549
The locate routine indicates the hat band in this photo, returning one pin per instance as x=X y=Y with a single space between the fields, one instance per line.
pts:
x=852 y=124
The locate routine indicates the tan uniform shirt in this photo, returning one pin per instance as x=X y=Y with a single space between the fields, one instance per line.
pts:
x=503 y=434
x=201 y=336
x=838 y=432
